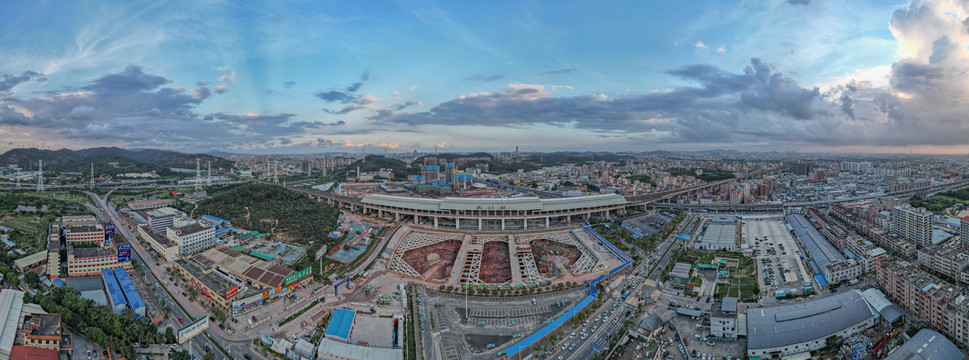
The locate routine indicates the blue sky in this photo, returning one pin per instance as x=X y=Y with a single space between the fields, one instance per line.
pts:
x=264 y=77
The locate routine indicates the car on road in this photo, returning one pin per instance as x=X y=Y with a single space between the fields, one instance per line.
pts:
x=180 y=319
x=212 y=318
x=711 y=343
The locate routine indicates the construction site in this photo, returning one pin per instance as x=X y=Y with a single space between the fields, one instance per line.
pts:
x=496 y=260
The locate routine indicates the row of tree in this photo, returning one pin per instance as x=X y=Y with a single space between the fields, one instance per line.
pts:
x=99 y=323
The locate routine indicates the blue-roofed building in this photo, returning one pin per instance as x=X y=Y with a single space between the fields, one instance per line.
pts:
x=116 y=297
x=340 y=325
x=130 y=293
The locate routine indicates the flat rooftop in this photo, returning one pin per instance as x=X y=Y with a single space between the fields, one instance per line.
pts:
x=720 y=236
x=248 y=267
x=191 y=229
x=91 y=252
x=42 y=324
x=162 y=240
x=212 y=280
x=374 y=331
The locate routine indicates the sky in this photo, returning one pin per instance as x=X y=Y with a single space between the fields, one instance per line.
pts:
x=377 y=77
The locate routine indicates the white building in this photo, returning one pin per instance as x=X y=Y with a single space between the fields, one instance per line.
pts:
x=803 y=327
x=913 y=224
x=192 y=238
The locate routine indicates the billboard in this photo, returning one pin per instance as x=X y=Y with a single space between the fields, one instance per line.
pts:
x=193 y=329
x=124 y=252
x=298 y=275
x=108 y=233
x=320 y=253
x=683 y=236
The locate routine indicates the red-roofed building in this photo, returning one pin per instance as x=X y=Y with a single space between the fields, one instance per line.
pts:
x=32 y=353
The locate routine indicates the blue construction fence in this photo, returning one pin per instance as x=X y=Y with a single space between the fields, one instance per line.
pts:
x=537 y=336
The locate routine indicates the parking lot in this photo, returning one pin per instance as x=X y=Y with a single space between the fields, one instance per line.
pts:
x=776 y=254
x=648 y=224
x=696 y=336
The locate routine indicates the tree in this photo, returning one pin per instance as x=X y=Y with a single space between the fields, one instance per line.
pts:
x=178 y=355
x=12 y=278
x=32 y=279
x=208 y=356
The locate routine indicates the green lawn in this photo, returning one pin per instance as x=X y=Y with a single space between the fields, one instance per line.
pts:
x=26 y=224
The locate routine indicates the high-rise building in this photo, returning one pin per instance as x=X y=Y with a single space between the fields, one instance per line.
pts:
x=162 y=218
x=964 y=232
x=800 y=168
x=913 y=224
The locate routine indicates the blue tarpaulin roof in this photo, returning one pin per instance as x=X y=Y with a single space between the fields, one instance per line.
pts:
x=340 y=323
x=928 y=286
x=821 y=280
x=113 y=289
x=130 y=293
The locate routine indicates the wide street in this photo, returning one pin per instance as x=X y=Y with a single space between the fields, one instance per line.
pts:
x=236 y=348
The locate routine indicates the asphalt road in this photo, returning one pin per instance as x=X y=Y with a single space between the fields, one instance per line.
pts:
x=198 y=343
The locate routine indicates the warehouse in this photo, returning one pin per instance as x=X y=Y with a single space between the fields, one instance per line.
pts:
x=130 y=293
x=927 y=345
x=115 y=294
x=803 y=327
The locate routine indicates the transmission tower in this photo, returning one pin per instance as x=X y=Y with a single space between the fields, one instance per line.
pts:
x=198 y=175
x=40 y=178
x=208 y=181
x=276 y=172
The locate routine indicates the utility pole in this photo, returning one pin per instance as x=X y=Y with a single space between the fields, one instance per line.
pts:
x=198 y=175
x=40 y=178
x=208 y=182
x=276 y=172
x=91 y=186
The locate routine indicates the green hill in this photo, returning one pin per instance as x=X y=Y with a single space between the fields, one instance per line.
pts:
x=108 y=160
x=377 y=162
x=271 y=209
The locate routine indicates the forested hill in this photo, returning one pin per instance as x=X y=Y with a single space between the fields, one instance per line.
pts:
x=271 y=209
x=108 y=160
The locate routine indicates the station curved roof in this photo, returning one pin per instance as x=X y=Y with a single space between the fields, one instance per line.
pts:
x=501 y=204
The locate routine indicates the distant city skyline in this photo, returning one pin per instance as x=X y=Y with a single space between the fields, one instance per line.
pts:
x=308 y=77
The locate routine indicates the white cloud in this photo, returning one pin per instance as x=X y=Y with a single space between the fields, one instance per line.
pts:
x=700 y=45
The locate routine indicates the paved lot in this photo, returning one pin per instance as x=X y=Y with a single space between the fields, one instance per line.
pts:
x=721 y=347
x=450 y=333
x=777 y=255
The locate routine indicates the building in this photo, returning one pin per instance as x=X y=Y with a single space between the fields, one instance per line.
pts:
x=161 y=219
x=31 y=260
x=215 y=286
x=259 y=273
x=800 y=168
x=192 y=238
x=495 y=213
x=925 y=296
x=11 y=307
x=946 y=261
x=90 y=261
x=165 y=247
x=53 y=256
x=340 y=325
x=822 y=256
x=927 y=345
x=33 y=353
x=885 y=309
x=913 y=224
x=42 y=331
x=116 y=297
x=83 y=233
x=150 y=204
x=803 y=327
x=964 y=232
x=130 y=293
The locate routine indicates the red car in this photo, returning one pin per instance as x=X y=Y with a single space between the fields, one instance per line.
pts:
x=685 y=342
x=180 y=320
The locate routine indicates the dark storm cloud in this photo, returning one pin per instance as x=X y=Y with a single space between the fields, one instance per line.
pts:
x=716 y=110
x=8 y=81
x=560 y=71
x=799 y=2
x=138 y=108
x=484 y=78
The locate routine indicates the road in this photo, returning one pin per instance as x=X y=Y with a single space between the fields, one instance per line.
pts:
x=614 y=312
x=198 y=343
